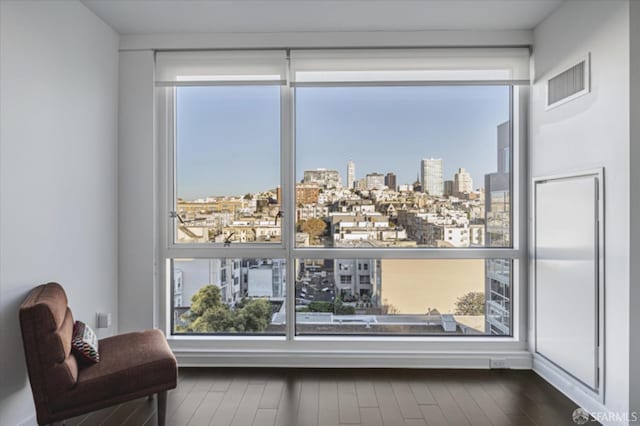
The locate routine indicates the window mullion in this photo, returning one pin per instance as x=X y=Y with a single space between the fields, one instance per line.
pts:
x=287 y=135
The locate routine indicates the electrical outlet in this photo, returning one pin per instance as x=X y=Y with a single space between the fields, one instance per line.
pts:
x=499 y=363
x=103 y=320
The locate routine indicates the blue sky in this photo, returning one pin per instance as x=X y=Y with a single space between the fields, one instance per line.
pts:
x=228 y=137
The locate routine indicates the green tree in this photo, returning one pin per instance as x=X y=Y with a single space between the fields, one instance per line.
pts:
x=314 y=227
x=337 y=307
x=320 y=307
x=208 y=314
x=218 y=318
x=471 y=303
x=208 y=297
x=255 y=315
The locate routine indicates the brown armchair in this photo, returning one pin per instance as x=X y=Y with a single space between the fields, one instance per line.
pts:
x=131 y=365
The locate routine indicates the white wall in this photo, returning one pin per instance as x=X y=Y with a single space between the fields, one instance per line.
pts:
x=591 y=132
x=137 y=245
x=58 y=182
x=634 y=299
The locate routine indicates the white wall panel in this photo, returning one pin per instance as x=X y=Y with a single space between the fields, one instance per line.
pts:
x=58 y=172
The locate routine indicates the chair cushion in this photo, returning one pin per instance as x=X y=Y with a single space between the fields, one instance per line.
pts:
x=47 y=326
x=85 y=343
x=131 y=365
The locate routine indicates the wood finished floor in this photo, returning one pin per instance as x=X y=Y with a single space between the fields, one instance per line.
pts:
x=301 y=397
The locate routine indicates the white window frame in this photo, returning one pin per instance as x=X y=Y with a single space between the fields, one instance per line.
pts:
x=292 y=350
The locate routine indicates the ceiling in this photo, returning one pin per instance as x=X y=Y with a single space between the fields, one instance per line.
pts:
x=241 y=16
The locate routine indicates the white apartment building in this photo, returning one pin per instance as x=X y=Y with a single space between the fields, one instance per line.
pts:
x=311 y=211
x=462 y=182
x=431 y=176
x=374 y=181
x=323 y=177
x=357 y=277
x=351 y=174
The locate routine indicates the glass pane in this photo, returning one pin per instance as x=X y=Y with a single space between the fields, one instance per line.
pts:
x=229 y=296
x=228 y=164
x=403 y=297
x=403 y=166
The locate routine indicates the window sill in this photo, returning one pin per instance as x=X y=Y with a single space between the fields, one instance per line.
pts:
x=349 y=352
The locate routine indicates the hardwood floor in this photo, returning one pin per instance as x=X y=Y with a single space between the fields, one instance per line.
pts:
x=336 y=397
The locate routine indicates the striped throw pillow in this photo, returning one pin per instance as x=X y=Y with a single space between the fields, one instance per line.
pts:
x=85 y=343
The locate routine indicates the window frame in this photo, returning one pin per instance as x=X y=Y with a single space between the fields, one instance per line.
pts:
x=168 y=249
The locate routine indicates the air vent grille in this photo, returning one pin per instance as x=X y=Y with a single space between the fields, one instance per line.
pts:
x=568 y=84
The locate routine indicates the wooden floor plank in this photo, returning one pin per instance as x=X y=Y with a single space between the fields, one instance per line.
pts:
x=406 y=401
x=265 y=417
x=288 y=408
x=248 y=405
x=272 y=394
x=415 y=422
x=328 y=408
x=387 y=403
x=153 y=420
x=366 y=394
x=177 y=396
x=370 y=416
x=487 y=404
x=542 y=412
x=421 y=393
x=145 y=410
x=433 y=415
x=468 y=405
x=308 y=406
x=204 y=413
x=119 y=416
x=229 y=405
x=348 y=402
x=447 y=404
x=183 y=413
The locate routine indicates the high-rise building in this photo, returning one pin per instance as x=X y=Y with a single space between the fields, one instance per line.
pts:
x=374 y=181
x=431 y=176
x=448 y=187
x=390 y=181
x=462 y=182
x=351 y=174
x=498 y=234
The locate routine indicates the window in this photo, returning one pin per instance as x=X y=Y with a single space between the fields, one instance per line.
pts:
x=345 y=279
x=351 y=192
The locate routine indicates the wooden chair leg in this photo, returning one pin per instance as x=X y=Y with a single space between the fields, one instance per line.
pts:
x=162 y=408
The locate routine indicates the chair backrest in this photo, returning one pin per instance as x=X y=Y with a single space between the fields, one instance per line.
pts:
x=47 y=327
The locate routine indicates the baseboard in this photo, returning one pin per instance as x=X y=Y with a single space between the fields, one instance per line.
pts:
x=573 y=390
x=29 y=421
x=336 y=359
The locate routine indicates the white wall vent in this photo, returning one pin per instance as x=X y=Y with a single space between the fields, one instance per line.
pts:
x=569 y=84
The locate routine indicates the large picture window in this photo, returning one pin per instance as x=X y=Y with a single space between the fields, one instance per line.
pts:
x=358 y=193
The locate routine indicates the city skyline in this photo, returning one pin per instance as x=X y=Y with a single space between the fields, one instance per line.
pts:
x=334 y=126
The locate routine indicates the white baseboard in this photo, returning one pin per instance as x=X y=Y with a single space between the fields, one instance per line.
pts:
x=29 y=421
x=572 y=389
x=349 y=359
